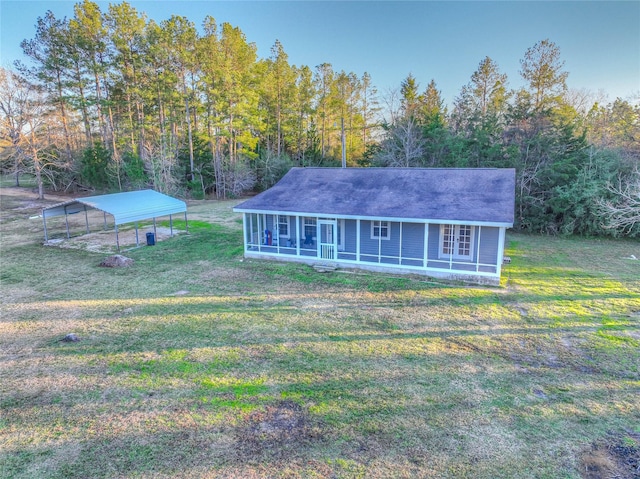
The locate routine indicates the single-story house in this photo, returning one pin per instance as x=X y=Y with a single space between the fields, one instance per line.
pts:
x=441 y=222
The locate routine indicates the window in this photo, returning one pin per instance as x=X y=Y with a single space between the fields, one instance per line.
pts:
x=309 y=231
x=380 y=230
x=456 y=241
x=310 y=227
x=283 y=226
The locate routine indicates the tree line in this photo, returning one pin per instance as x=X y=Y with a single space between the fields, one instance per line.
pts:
x=113 y=101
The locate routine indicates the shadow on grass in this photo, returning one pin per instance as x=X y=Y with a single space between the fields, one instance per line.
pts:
x=359 y=419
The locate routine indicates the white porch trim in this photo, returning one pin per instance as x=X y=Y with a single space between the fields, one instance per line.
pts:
x=453 y=275
x=395 y=219
x=450 y=268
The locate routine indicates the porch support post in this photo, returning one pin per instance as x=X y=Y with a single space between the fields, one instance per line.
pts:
x=478 y=249
x=425 y=259
x=451 y=246
x=318 y=237
x=400 y=246
x=500 y=250
x=244 y=231
x=380 y=239
x=358 y=240
x=298 y=236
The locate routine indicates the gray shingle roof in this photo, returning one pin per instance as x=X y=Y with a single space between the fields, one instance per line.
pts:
x=484 y=195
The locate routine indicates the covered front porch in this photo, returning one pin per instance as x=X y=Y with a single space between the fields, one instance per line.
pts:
x=381 y=245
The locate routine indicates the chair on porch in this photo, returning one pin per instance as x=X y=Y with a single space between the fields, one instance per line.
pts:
x=308 y=240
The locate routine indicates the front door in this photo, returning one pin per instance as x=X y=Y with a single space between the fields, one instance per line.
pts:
x=457 y=241
x=327 y=246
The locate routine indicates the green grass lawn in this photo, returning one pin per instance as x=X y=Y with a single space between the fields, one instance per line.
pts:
x=197 y=363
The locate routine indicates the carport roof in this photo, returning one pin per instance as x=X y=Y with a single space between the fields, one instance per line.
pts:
x=125 y=207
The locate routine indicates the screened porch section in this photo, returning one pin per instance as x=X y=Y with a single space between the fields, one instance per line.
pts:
x=416 y=246
x=281 y=234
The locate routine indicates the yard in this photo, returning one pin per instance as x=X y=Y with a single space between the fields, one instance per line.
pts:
x=196 y=363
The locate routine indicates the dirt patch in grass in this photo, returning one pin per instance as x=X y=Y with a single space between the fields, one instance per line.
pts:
x=116 y=261
x=617 y=457
x=105 y=241
x=278 y=432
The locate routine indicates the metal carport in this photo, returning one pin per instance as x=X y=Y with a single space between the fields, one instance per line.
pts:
x=128 y=207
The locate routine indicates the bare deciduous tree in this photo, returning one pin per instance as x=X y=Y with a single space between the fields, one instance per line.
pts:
x=404 y=146
x=23 y=116
x=623 y=213
x=11 y=122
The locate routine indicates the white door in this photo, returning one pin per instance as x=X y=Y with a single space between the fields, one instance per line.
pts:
x=327 y=246
x=457 y=241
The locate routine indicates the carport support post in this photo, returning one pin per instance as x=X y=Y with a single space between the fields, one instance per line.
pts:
x=137 y=242
x=86 y=218
x=155 y=232
x=186 y=225
x=117 y=238
x=44 y=221
x=171 y=225
x=66 y=220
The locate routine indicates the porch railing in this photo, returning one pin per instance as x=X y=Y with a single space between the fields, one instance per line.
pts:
x=327 y=251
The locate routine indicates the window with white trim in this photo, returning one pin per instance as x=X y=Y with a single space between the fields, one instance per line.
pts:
x=309 y=231
x=380 y=230
x=283 y=226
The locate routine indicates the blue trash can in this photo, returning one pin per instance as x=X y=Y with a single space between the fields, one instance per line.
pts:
x=151 y=239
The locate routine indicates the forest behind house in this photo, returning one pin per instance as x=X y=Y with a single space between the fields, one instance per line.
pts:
x=111 y=101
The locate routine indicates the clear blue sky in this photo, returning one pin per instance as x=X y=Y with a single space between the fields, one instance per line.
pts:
x=599 y=40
